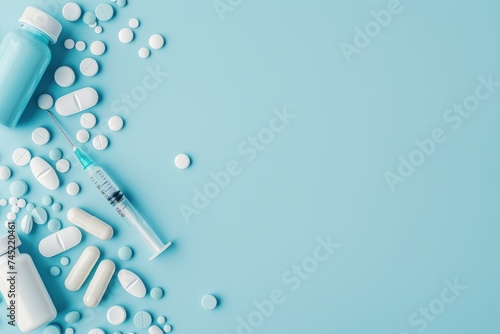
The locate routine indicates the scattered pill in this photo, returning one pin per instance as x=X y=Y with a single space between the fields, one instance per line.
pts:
x=3 y=202
x=100 y=142
x=93 y=25
x=13 y=200
x=45 y=102
x=47 y=200
x=88 y=120
x=142 y=319
x=64 y=261
x=82 y=268
x=5 y=173
x=132 y=283
x=57 y=207
x=97 y=48
x=126 y=35
x=121 y=3
x=89 y=67
x=98 y=30
x=96 y=331
x=72 y=12
x=30 y=207
x=167 y=328
x=156 y=41
x=99 y=283
x=55 y=271
x=156 y=293
x=133 y=23
x=52 y=329
x=72 y=317
x=155 y=330
x=27 y=224
x=161 y=320
x=125 y=253
x=64 y=76
x=77 y=101
x=115 y=123
x=116 y=315
x=44 y=173
x=60 y=241
x=39 y=215
x=90 y=224
x=104 y=12
x=11 y=216
x=21 y=157
x=40 y=136
x=82 y=136
x=80 y=46
x=69 y=330
x=15 y=209
x=182 y=161
x=89 y=18
x=209 y=302
x=18 y=188
x=21 y=203
x=55 y=154
x=69 y=44
x=144 y=53
x=54 y=225
x=63 y=166
x=73 y=189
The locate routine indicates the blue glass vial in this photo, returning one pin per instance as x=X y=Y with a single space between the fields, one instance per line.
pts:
x=24 y=58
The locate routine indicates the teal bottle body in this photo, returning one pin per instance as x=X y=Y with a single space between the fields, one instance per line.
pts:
x=24 y=58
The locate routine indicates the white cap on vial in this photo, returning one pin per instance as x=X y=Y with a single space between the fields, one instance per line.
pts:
x=42 y=21
x=5 y=244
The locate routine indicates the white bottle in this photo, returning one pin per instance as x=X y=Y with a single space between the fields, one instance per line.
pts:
x=33 y=305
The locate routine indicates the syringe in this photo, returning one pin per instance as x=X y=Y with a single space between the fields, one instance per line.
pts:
x=116 y=198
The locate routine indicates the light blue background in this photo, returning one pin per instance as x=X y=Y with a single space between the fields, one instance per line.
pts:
x=323 y=175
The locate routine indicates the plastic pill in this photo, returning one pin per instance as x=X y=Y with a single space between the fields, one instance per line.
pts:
x=100 y=142
x=72 y=12
x=132 y=283
x=133 y=23
x=89 y=18
x=161 y=320
x=64 y=261
x=182 y=161
x=21 y=203
x=125 y=253
x=64 y=76
x=54 y=225
x=97 y=48
x=44 y=173
x=55 y=154
x=80 y=46
x=144 y=53
x=5 y=173
x=57 y=207
x=96 y=331
x=69 y=44
x=60 y=241
x=72 y=317
x=126 y=35
x=99 y=283
x=27 y=224
x=77 y=101
x=18 y=188
x=155 y=330
x=167 y=328
x=88 y=120
x=142 y=319
x=45 y=102
x=156 y=41
x=89 y=67
x=98 y=30
x=52 y=329
x=55 y=271
x=73 y=189
x=156 y=293
x=21 y=157
x=39 y=215
x=90 y=224
x=115 y=123
x=121 y=3
x=82 y=136
x=82 y=268
x=116 y=315
x=104 y=12
x=63 y=166
x=209 y=302
x=40 y=136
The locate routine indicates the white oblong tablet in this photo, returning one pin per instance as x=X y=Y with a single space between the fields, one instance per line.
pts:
x=115 y=123
x=40 y=136
x=144 y=53
x=88 y=120
x=97 y=48
x=69 y=44
x=100 y=142
x=89 y=67
x=99 y=283
x=65 y=76
x=72 y=12
x=45 y=102
x=21 y=157
x=82 y=136
x=132 y=283
x=63 y=166
x=27 y=224
x=73 y=189
x=77 y=101
x=116 y=315
x=156 y=41
x=126 y=35
x=155 y=330
x=59 y=242
x=90 y=224
x=80 y=46
x=82 y=268
x=44 y=173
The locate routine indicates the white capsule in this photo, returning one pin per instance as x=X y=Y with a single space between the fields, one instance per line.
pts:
x=77 y=101
x=90 y=224
x=82 y=268
x=99 y=283
x=59 y=242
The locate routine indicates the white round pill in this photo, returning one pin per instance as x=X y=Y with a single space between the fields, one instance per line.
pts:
x=97 y=48
x=115 y=123
x=93 y=25
x=100 y=142
x=89 y=67
x=73 y=189
x=116 y=315
x=72 y=12
x=11 y=216
x=13 y=200
x=209 y=302
x=88 y=120
x=156 y=41
x=21 y=203
x=65 y=76
x=40 y=136
x=144 y=53
x=80 y=46
x=15 y=209
x=3 y=202
x=133 y=23
x=182 y=161
x=69 y=44
x=21 y=157
x=155 y=330
x=82 y=136
x=126 y=35
x=63 y=166
x=98 y=30
x=45 y=102
x=167 y=328
x=96 y=331
x=5 y=173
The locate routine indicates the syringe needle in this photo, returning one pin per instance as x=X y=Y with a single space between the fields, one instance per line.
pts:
x=60 y=128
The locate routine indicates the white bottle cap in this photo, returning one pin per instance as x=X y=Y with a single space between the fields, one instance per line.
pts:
x=42 y=21
x=4 y=243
